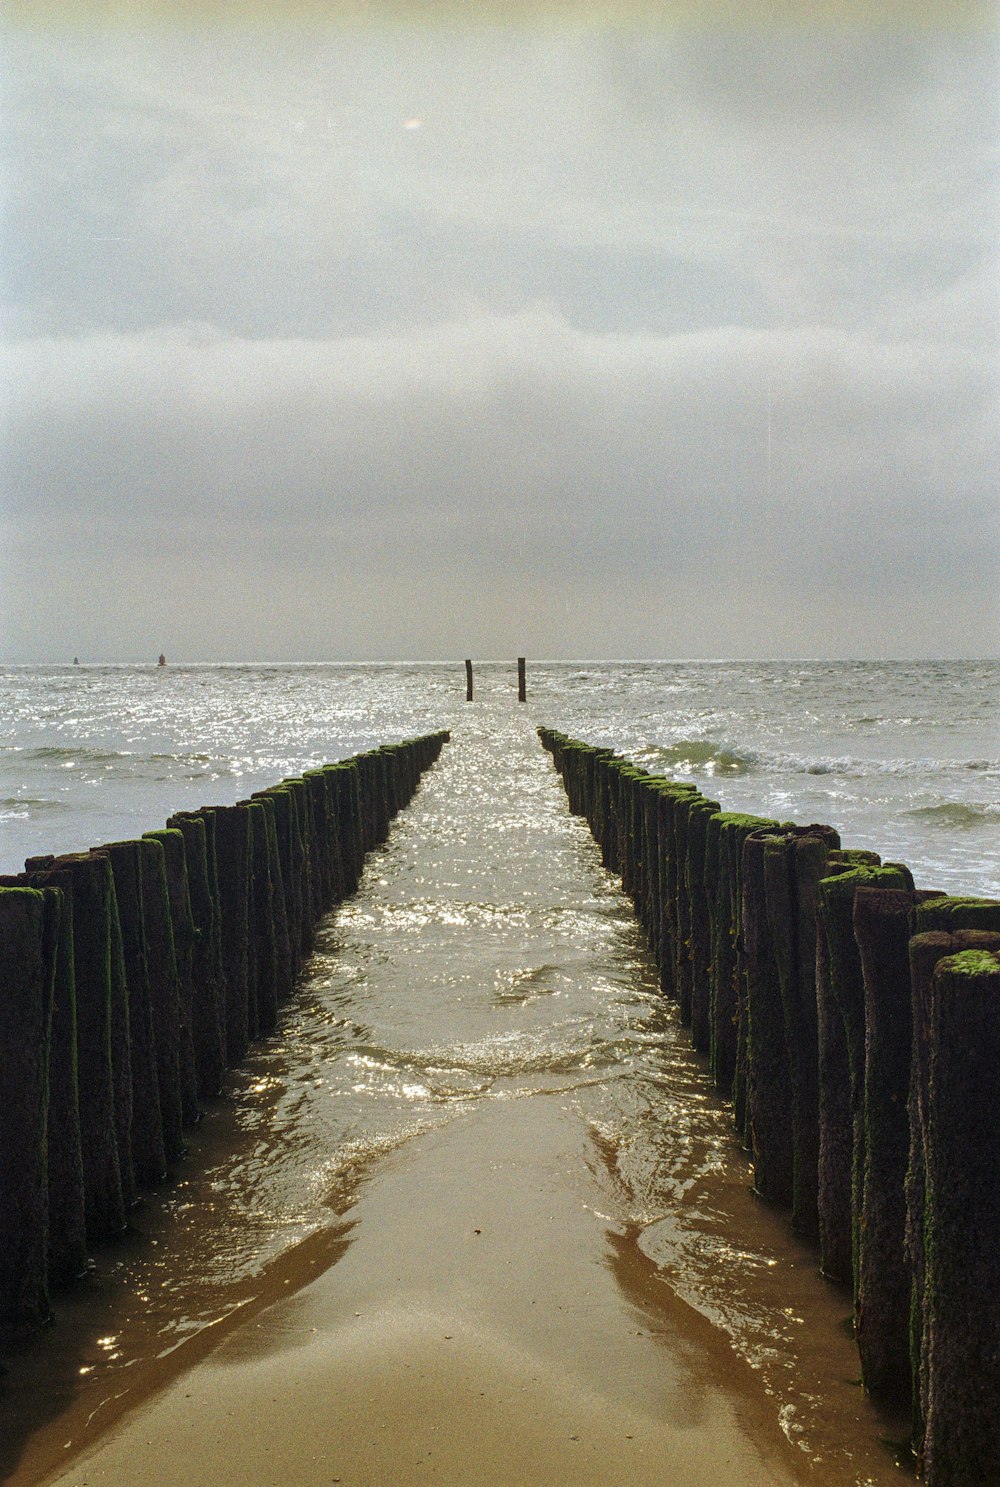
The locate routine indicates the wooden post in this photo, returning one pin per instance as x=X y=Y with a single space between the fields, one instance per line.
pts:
x=522 y=694
x=468 y=681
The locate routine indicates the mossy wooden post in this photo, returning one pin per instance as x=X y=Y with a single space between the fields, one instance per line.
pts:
x=468 y=681
x=673 y=954
x=184 y=936
x=290 y=859
x=262 y=908
x=232 y=847
x=381 y=777
x=943 y=911
x=522 y=693
x=207 y=975
x=926 y=949
x=302 y=847
x=339 y=869
x=603 y=823
x=67 y=1213
x=652 y=910
x=881 y=930
x=102 y=1030
x=700 y=812
x=147 y=1137
x=284 y=966
x=794 y=862
x=730 y=1020
x=345 y=776
x=29 y=929
x=164 y=992
x=67 y=1236
x=684 y=803
x=769 y=1084
x=845 y=986
x=628 y=778
x=323 y=865
x=962 y=1429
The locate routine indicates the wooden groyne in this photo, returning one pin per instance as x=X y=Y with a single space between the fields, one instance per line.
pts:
x=133 y=975
x=854 y=1022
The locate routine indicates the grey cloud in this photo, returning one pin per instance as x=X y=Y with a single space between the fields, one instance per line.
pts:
x=557 y=444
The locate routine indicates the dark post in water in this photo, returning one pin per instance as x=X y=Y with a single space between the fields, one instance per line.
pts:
x=468 y=681
x=522 y=694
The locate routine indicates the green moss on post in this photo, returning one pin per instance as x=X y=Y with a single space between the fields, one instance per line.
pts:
x=29 y=929
x=962 y=1431
x=944 y=912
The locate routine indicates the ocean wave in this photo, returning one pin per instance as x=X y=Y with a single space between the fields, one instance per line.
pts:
x=956 y=814
x=695 y=756
x=857 y=767
x=25 y=805
x=77 y=755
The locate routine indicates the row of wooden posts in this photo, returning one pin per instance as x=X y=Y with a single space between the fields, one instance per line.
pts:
x=132 y=976
x=854 y=1022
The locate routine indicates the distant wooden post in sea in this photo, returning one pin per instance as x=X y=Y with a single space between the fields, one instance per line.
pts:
x=468 y=681
x=522 y=694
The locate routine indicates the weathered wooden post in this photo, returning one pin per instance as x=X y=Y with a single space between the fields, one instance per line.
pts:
x=522 y=693
x=926 y=950
x=468 y=681
x=962 y=1219
x=207 y=976
x=29 y=931
x=184 y=935
x=843 y=993
x=881 y=931
x=149 y=1140
x=795 y=860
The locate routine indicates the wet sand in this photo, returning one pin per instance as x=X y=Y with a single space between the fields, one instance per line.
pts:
x=542 y=1263
x=473 y=1332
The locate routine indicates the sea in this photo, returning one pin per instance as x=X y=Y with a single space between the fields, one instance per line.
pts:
x=903 y=758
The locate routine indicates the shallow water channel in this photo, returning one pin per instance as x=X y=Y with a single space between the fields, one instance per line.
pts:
x=478 y=1048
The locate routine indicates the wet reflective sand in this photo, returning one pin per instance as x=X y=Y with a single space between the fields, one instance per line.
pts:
x=473 y=1215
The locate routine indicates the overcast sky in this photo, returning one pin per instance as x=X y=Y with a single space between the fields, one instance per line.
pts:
x=625 y=331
